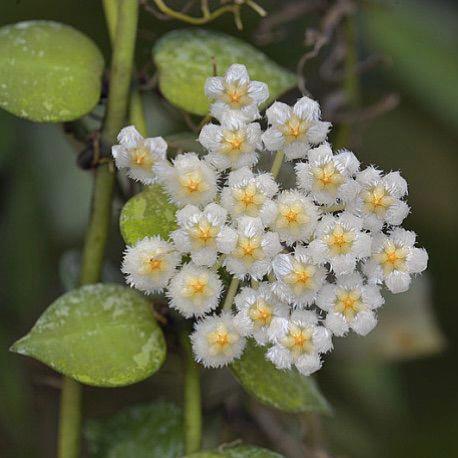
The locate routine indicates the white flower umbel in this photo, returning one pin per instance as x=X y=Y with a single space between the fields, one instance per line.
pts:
x=218 y=339
x=138 y=155
x=236 y=93
x=340 y=241
x=233 y=144
x=379 y=200
x=189 y=181
x=254 y=249
x=350 y=305
x=299 y=342
x=394 y=259
x=261 y=310
x=294 y=130
x=299 y=278
x=292 y=215
x=246 y=194
x=149 y=264
x=328 y=177
x=194 y=290
x=203 y=234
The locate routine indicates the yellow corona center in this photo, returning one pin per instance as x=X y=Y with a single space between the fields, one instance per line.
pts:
x=340 y=241
x=233 y=143
x=261 y=313
x=153 y=264
x=249 y=250
x=294 y=129
x=301 y=278
x=327 y=177
x=299 y=340
x=221 y=340
x=377 y=200
x=236 y=94
x=248 y=200
x=392 y=258
x=348 y=303
x=203 y=234
x=196 y=287
x=192 y=182
x=141 y=157
x=291 y=217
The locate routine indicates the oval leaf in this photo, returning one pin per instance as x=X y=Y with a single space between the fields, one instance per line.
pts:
x=238 y=451
x=48 y=71
x=143 y=431
x=184 y=59
x=285 y=390
x=146 y=214
x=101 y=335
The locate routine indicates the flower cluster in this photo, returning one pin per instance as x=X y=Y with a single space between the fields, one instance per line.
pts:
x=310 y=261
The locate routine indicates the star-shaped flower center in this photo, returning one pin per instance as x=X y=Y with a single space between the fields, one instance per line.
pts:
x=377 y=200
x=327 y=177
x=299 y=340
x=393 y=257
x=141 y=157
x=294 y=128
x=249 y=249
x=221 y=340
x=192 y=183
x=348 y=302
x=301 y=277
x=339 y=240
x=203 y=233
x=236 y=94
x=261 y=313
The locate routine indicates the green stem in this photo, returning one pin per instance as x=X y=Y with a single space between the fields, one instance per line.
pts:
x=192 y=399
x=276 y=165
x=231 y=292
x=136 y=113
x=96 y=236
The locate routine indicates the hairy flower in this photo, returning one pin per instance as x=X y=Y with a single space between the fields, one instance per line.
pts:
x=294 y=130
x=236 y=94
x=139 y=155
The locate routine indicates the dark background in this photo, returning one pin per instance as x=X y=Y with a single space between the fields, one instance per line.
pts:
x=395 y=392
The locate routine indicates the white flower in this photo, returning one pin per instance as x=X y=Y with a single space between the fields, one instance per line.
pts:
x=379 y=200
x=233 y=144
x=189 y=181
x=394 y=259
x=235 y=92
x=340 y=241
x=203 y=233
x=138 y=155
x=247 y=194
x=350 y=305
x=295 y=129
x=218 y=340
x=327 y=177
x=149 y=264
x=194 y=290
x=292 y=215
x=254 y=249
x=299 y=277
x=300 y=342
x=261 y=310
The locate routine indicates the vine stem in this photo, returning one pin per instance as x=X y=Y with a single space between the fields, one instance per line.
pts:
x=192 y=399
x=96 y=235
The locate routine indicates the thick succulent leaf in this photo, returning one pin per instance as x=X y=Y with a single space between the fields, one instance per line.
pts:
x=48 y=71
x=285 y=390
x=146 y=214
x=143 y=431
x=101 y=335
x=238 y=451
x=185 y=59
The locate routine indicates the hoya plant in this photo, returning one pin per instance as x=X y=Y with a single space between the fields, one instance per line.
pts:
x=252 y=248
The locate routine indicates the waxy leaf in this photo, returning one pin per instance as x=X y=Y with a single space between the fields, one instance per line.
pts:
x=101 y=335
x=285 y=390
x=143 y=431
x=146 y=214
x=238 y=451
x=49 y=72
x=185 y=60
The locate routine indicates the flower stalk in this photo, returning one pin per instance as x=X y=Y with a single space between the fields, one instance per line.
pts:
x=96 y=236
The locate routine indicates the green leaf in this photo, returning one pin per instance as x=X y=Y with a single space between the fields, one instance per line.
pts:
x=184 y=59
x=101 y=335
x=238 y=451
x=146 y=214
x=143 y=431
x=48 y=71
x=285 y=390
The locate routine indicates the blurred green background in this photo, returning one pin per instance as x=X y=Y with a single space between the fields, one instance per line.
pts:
x=393 y=393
